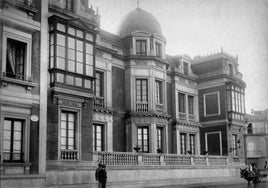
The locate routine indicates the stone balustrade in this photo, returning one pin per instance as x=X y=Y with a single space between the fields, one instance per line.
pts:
x=69 y=155
x=142 y=107
x=155 y=159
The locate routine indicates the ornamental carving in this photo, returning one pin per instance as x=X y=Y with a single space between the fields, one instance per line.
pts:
x=102 y=117
x=149 y=120
x=69 y=103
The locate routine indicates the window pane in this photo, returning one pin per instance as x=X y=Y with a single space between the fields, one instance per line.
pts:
x=70 y=80
x=71 y=54
x=78 y=82
x=71 y=117
x=63 y=132
x=60 y=51
x=17 y=135
x=71 y=66
x=17 y=126
x=89 y=37
x=71 y=31
x=79 y=68
x=89 y=59
x=60 y=39
x=17 y=145
x=7 y=145
x=79 y=45
x=89 y=48
x=60 y=63
x=7 y=125
x=89 y=70
x=79 y=33
x=61 y=27
x=79 y=56
x=87 y=83
x=60 y=78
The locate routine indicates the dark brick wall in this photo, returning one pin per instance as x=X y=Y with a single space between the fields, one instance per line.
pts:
x=34 y=142
x=222 y=129
x=52 y=130
x=36 y=61
x=169 y=99
x=118 y=88
x=118 y=100
x=223 y=104
x=86 y=131
x=119 y=132
x=37 y=5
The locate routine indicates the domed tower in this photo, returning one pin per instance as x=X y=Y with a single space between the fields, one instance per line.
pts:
x=145 y=82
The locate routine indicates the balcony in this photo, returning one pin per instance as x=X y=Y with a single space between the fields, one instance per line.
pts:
x=182 y=116
x=191 y=117
x=142 y=106
x=99 y=102
x=159 y=108
x=69 y=155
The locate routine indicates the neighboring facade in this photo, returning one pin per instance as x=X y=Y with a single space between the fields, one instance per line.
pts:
x=256 y=138
x=71 y=91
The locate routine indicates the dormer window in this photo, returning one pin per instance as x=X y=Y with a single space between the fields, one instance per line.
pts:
x=158 y=49
x=185 y=68
x=141 y=47
x=230 y=69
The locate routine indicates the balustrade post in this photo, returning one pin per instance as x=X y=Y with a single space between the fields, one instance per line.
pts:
x=207 y=161
x=162 y=160
x=140 y=160
x=192 y=160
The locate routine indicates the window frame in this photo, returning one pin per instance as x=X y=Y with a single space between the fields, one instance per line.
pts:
x=218 y=103
x=185 y=66
x=141 y=93
x=160 y=138
x=159 y=92
x=220 y=139
x=10 y=33
x=103 y=133
x=26 y=134
x=158 y=49
x=235 y=145
x=139 y=51
x=142 y=138
x=180 y=106
x=77 y=130
x=192 y=143
x=183 y=142
x=101 y=73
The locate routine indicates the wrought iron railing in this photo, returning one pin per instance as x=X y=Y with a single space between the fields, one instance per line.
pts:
x=156 y=159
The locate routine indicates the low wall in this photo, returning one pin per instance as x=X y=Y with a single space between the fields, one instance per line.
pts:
x=144 y=176
x=22 y=181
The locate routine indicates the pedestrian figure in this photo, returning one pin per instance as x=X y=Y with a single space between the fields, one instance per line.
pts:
x=97 y=174
x=102 y=177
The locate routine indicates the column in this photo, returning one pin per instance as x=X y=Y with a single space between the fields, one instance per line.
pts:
x=197 y=143
x=152 y=138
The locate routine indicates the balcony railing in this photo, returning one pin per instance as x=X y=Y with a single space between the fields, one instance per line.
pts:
x=191 y=117
x=159 y=107
x=99 y=102
x=69 y=155
x=142 y=106
x=155 y=159
x=182 y=116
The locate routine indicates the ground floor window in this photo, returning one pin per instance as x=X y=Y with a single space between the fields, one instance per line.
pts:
x=192 y=144
x=213 y=143
x=159 y=139
x=143 y=139
x=13 y=140
x=98 y=137
x=183 y=143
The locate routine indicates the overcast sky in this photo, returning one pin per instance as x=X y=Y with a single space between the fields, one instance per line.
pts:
x=201 y=27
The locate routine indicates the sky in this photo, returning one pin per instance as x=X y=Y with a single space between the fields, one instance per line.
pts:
x=202 y=27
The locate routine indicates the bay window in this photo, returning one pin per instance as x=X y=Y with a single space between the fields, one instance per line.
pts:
x=141 y=47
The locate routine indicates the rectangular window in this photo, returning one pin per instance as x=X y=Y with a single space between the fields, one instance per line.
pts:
x=71 y=51
x=143 y=139
x=185 y=68
x=211 y=104
x=190 y=105
x=158 y=49
x=234 y=145
x=159 y=139
x=231 y=69
x=192 y=144
x=141 y=47
x=15 y=59
x=99 y=84
x=68 y=5
x=13 y=140
x=182 y=103
x=67 y=128
x=98 y=137
x=141 y=90
x=213 y=143
x=183 y=143
x=158 y=92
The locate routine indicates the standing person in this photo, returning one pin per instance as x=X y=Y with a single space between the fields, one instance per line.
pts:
x=265 y=165
x=102 y=177
x=97 y=174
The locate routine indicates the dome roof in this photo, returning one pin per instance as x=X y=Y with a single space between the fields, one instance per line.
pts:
x=139 y=20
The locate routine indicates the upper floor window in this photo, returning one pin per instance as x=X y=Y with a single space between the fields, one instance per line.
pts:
x=231 y=69
x=68 y=5
x=158 y=49
x=71 y=50
x=235 y=102
x=190 y=104
x=98 y=137
x=16 y=54
x=185 y=68
x=182 y=103
x=13 y=144
x=99 y=84
x=141 y=90
x=211 y=104
x=143 y=139
x=141 y=47
x=158 y=92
